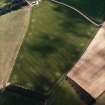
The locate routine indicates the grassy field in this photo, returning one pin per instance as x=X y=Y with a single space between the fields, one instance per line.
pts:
x=56 y=38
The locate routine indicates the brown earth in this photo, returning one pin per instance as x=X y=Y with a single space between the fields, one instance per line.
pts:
x=13 y=27
x=89 y=72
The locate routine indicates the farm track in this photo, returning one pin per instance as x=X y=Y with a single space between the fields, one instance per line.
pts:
x=13 y=28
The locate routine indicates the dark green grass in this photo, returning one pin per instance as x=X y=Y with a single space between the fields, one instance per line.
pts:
x=93 y=8
x=12 y=98
x=56 y=39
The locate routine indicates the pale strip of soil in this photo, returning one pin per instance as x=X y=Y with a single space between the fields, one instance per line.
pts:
x=13 y=27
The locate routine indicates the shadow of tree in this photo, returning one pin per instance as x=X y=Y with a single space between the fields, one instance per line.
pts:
x=14 y=95
x=12 y=6
x=84 y=96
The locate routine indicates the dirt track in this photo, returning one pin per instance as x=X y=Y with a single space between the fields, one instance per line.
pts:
x=89 y=72
x=13 y=27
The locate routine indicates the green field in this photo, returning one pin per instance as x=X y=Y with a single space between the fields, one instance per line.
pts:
x=93 y=8
x=56 y=38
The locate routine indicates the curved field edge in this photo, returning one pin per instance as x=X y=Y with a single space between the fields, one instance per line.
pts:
x=95 y=8
x=56 y=39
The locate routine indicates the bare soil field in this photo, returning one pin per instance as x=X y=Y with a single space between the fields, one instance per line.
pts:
x=13 y=27
x=89 y=72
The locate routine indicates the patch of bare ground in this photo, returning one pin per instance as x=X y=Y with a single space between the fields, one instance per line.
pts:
x=13 y=27
x=89 y=72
